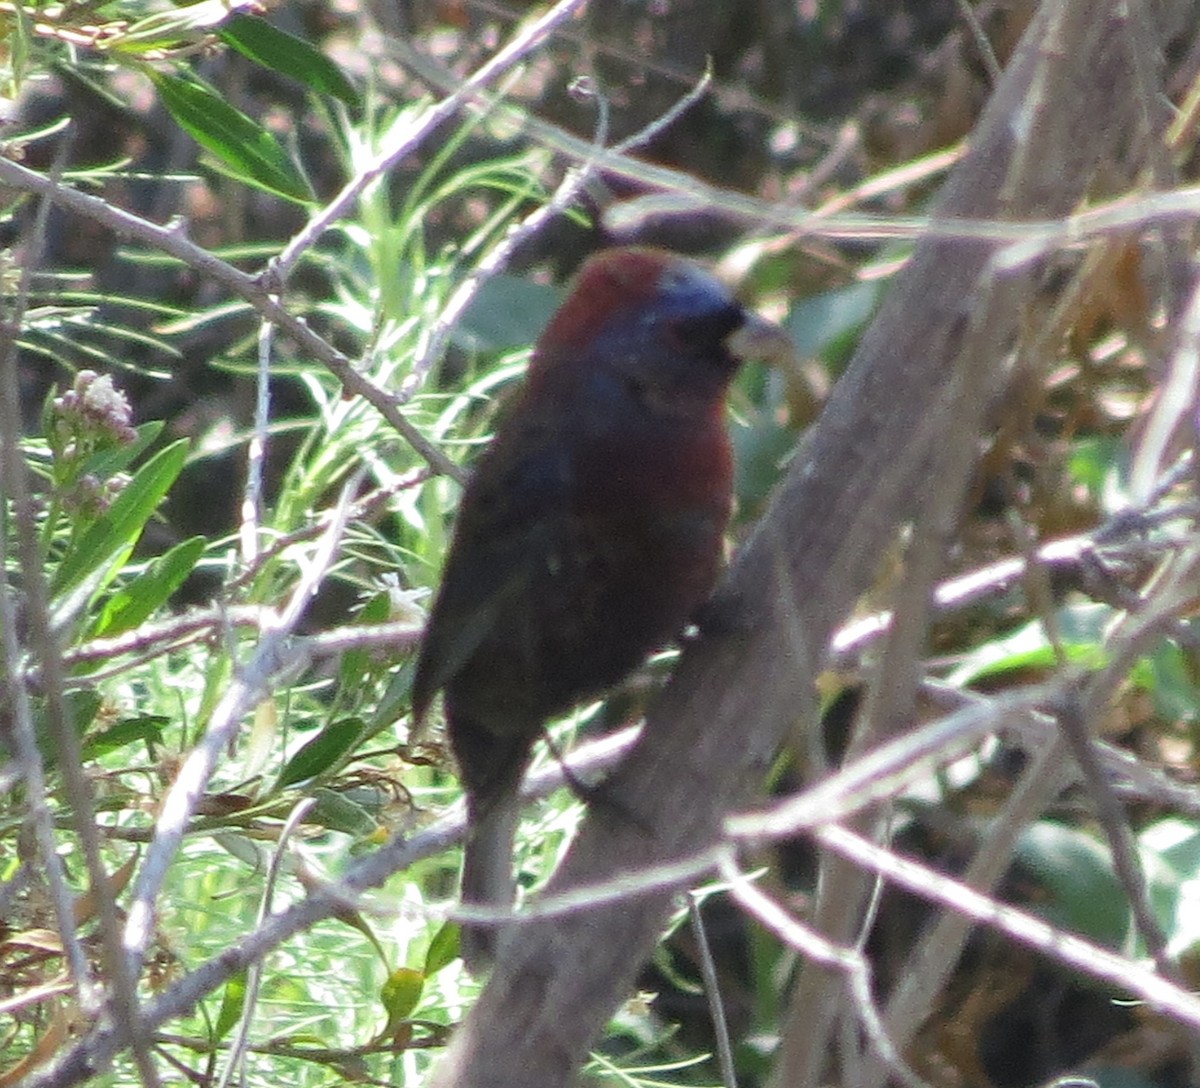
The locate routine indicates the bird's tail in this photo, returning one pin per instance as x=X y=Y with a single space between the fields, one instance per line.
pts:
x=487 y=876
x=491 y=765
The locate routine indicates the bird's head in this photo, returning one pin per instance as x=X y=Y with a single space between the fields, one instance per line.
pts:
x=658 y=318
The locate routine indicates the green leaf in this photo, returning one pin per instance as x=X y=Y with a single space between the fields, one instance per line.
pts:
x=106 y=463
x=400 y=995
x=1095 y=462
x=1082 y=630
x=1170 y=853
x=397 y=696
x=118 y=528
x=338 y=813
x=242 y=146
x=82 y=706
x=443 y=949
x=1177 y=842
x=762 y=444
x=357 y=663
x=323 y=752
x=273 y=48
x=822 y=324
x=1168 y=675
x=148 y=728
x=20 y=43
x=1082 y=893
x=232 y=1003
x=144 y=595
x=171 y=29
x=507 y=312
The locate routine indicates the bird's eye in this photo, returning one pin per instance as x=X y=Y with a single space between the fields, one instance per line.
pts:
x=705 y=330
x=676 y=278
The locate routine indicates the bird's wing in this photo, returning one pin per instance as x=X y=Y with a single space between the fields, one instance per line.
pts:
x=512 y=521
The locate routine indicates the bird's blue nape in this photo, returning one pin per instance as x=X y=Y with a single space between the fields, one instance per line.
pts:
x=686 y=290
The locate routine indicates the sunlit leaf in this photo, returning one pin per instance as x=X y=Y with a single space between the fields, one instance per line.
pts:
x=273 y=48
x=443 y=949
x=323 y=752
x=241 y=145
x=118 y=528
x=400 y=995
x=1028 y=647
x=233 y=1000
x=147 y=729
x=141 y=597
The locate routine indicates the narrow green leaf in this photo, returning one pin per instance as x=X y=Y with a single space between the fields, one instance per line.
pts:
x=232 y=1003
x=356 y=663
x=108 y=462
x=82 y=706
x=131 y=731
x=506 y=312
x=20 y=42
x=273 y=48
x=400 y=995
x=443 y=949
x=1082 y=639
x=338 y=813
x=323 y=752
x=241 y=145
x=167 y=29
x=397 y=696
x=144 y=595
x=120 y=526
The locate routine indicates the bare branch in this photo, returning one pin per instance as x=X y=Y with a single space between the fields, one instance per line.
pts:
x=1117 y=970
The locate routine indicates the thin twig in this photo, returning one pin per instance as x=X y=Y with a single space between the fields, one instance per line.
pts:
x=929 y=964
x=241 y=1039
x=1066 y=948
x=16 y=688
x=851 y=962
x=982 y=43
x=1077 y=730
x=522 y=44
x=1174 y=403
x=256 y=449
x=1078 y=734
x=575 y=181
x=712 y=992
x=101 y=1045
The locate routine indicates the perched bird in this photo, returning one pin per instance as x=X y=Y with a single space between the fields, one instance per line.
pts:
x=589 y=533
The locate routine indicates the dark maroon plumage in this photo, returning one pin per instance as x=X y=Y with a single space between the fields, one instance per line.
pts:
x=590 y=531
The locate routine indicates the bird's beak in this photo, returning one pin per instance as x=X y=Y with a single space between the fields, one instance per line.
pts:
x=758 y=338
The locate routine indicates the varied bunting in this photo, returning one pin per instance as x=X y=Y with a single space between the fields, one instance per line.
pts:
x=590 y=532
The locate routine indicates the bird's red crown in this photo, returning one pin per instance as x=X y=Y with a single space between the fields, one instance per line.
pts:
x=612 y=282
